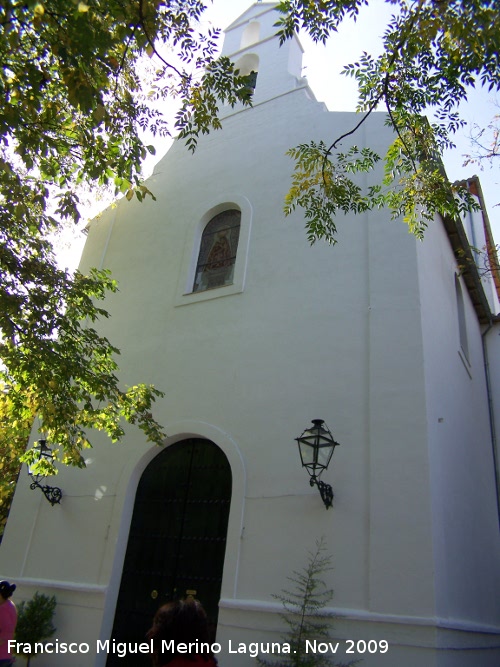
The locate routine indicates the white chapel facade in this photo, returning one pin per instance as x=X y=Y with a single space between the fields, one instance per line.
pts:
x=252 y=333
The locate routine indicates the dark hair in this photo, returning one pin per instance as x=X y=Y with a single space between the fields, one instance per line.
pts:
x=183 y=621
x=6 y=589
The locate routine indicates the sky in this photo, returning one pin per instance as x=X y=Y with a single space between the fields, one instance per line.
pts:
x=322 y=66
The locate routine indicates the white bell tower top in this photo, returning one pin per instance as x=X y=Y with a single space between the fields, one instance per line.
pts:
x=252 y=45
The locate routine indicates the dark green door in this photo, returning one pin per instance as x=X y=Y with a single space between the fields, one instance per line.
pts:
x=177 y=539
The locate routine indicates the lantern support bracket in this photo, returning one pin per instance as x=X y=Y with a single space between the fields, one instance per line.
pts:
x=52 y=493
x=325 y=491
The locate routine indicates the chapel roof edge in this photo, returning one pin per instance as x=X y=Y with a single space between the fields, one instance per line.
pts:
x=248 y=13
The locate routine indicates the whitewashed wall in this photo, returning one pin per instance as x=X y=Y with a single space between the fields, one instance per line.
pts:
x=362 y=335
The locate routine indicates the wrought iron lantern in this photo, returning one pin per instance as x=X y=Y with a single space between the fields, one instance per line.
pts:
x=52 y=493
x=316 y=446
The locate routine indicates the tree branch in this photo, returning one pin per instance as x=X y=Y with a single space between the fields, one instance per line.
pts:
x=151 y=44
x=382 y=93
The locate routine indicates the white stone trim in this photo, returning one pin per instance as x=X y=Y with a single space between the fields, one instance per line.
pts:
x=62 y=585
x=246 y=17
x=262 y=606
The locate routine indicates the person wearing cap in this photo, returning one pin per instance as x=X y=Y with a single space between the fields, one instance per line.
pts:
x=8 y=622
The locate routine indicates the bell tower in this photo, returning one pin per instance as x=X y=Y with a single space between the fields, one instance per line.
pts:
x=251 y=43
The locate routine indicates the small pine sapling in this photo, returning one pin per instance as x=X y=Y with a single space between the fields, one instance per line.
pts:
x=34 y=622
x=305 y=616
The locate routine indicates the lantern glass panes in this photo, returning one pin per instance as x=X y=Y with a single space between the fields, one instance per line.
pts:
x=44 y=452
x=316 y=447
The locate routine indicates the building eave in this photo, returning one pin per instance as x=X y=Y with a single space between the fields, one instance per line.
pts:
x=473 y=184
x=470 y=274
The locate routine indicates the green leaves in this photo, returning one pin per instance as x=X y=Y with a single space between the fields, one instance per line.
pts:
x=319 y=18
x=68 y=366
x=61 y=370
x=35 y=622
x=74 y=104
x=305 y=616
x=220 y=84
x=14 y=434
x=323 y=187
x=75 y=84
x=432 y=53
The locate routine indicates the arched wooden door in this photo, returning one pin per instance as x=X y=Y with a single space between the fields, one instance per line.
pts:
x=177 y=539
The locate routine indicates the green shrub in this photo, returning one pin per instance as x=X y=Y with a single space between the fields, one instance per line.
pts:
x=34 y=622
x=305 y=616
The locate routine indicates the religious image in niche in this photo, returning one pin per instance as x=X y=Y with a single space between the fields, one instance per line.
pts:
x=219 y=261
x=218 y=247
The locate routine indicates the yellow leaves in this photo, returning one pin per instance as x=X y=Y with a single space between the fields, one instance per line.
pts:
x=145 y=191
x=83 y=7
x=80 y=90
x=140 y=192
x=99 y=113
x=15 y=426
x=38 y=13
x=5 y=166
x=72 y=455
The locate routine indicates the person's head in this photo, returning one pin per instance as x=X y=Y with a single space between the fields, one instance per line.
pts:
x=6 y=589
x=183 y=621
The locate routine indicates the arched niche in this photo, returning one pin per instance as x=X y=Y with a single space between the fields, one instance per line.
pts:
x=247 y=64
x=250 y=35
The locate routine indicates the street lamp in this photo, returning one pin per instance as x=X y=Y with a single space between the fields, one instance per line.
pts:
x=52 y=493
x=316 y=446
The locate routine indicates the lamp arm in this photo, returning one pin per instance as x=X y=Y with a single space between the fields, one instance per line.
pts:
x=52 y=493
x=325 y=491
